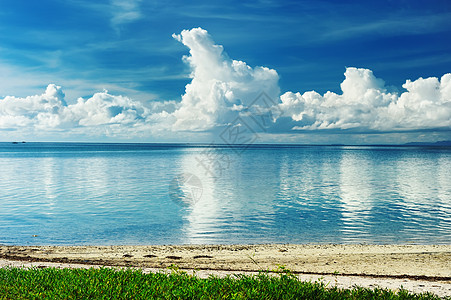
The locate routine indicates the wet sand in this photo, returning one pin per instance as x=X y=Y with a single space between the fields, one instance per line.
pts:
x=420 y=267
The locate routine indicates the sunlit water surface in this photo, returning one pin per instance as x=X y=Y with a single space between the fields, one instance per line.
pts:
x=110 y=194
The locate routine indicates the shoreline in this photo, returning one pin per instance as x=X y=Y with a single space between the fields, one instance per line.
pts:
x=418 y=268
x=420 y=261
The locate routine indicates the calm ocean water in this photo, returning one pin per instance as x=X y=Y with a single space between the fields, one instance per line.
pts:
x=110 y=194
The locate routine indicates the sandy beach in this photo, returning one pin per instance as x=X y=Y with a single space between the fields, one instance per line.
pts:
x=417 y=268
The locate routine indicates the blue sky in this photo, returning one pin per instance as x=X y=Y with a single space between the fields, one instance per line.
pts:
x=128 y=49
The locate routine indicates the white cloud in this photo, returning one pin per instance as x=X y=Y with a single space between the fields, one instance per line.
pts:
x=101 y=114
x=40 y=110
x=125 y=11
x=219 y=85
x=222 y=89
x=365 y=104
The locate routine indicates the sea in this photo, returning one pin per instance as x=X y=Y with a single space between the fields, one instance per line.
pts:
x=162 y=194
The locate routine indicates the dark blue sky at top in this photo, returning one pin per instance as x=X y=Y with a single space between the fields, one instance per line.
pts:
x=93 y=44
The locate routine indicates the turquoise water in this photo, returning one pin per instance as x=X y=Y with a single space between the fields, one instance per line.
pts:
x=111 y=194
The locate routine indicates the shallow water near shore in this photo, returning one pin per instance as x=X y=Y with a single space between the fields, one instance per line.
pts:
x=115 y=194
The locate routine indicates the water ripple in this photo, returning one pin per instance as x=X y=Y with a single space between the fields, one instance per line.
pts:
x=98 y=195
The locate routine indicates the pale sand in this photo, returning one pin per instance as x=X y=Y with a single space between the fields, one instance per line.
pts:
x=417 y=268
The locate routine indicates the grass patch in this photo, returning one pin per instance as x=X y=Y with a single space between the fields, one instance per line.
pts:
x=107 y=283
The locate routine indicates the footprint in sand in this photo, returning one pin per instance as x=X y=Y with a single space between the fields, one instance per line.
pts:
x=202 y=256
x=173 y=257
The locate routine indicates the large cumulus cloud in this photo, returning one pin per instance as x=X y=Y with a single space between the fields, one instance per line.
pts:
x=42 y=111
x=101 y=114
x=222 y=90
x=366 y=104
x=220 y=86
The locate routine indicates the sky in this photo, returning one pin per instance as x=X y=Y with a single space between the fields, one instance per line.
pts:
x=312 y=72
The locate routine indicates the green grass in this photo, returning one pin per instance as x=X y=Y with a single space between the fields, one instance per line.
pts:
x=107 y=283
